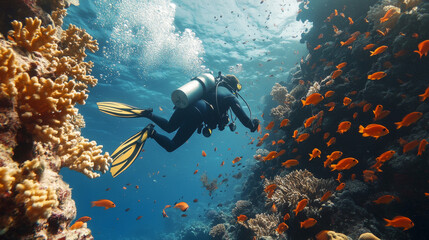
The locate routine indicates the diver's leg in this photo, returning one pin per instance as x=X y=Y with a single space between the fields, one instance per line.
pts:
x=171 y=125
x=183 y=134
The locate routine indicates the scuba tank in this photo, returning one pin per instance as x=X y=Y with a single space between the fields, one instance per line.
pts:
x=193 y=90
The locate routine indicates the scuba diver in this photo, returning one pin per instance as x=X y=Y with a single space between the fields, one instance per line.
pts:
x=200 y=105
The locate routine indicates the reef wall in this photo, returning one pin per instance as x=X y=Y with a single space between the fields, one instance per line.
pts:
x=43 y=76
x=364 y=65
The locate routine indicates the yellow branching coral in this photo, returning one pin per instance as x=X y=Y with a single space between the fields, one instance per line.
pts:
x=38 y=201
x=32 y=37
x=79 y=71
x=58 y=16
x=7 y=179
x=8 y=69
x=74 y=42
x=45 y=104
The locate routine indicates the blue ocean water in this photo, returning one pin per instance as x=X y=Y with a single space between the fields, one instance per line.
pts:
x=148 y=49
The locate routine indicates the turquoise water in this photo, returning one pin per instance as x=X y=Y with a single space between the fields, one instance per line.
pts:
x=148 y=49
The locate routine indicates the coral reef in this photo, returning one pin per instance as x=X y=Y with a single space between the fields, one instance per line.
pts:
x=263 y=224
x=43 y=76
x=295 y=186
x=219 y=232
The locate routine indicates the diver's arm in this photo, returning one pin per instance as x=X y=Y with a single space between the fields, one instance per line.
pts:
x=241 y=115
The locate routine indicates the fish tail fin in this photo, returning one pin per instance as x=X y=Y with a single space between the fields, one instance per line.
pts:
x=295 y=211
x=342 y=43
x=388 y=222
x=398 y=125
x=92 y=204
x=422 y=97
x=303 y=102
x=372 y=53
x=311 y=156
x=301 y=224
x=421 y=54
x=361 y=129
x=333 y=167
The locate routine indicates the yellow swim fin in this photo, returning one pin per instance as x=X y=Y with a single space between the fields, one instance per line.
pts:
x=129 y=150
x=122 y=110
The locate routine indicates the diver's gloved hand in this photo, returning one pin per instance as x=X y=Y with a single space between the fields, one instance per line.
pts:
x=255 y=123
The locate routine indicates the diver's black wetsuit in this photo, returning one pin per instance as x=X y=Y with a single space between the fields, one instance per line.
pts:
x=203 y=111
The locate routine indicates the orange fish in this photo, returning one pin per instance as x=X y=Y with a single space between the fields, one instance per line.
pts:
x=331 y=141
x=241 y=218
x=369 y=176
x=350 y=20
x=386 y=156
x=237 y=159
x=385 y=199
x=309 y=121
x=353 y=176
x=415 y=35
x=409 y=119
x=182 y=206
x=341 y=65
x=271 y=155
x=294 y=150
x=284 y=122
x=348 y=41
x=334 y=155
x=367 y=34
x=423 y=48
x=282 y=228
x=281 y=141
x=290 y=163
x=369 y=46
x=380 y=32
x=203 y=153
x=308 y=223
x=318 y=47
x=139 y=217
x=422 y=147
x=346 y=101
x=336 y=73
x=286 y=217
x=387 y=15
x=103 y=203
x=314 y=99
x=270 y=125
x=330 y=93
x=340 y=187
x=300 y=206
x=76 y=225
x=355 y=115
x=377 y=76
x=323 y=235
x=222 y=163
x=196 y=171
x=326 y=196
x=295 y=134
x=326 y=135
x=366 y=107
x=164 y=214
x=339 y=177
x=273 y=208
x=378 y=50
x=84 y=219
x=410 y=146
x=273 y=142
x=344 y=127
x=344 y=164
x=160 y=109
x=379 y=113
x=302 y=137
x=331 y=106
x=280 y=153
x=400 y=222
x=270 y=190
x=315 y=153
x=373 y=130
x=425 y=95
x=320 y=36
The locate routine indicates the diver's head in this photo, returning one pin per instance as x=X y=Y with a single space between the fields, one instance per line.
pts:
x=233 y=82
